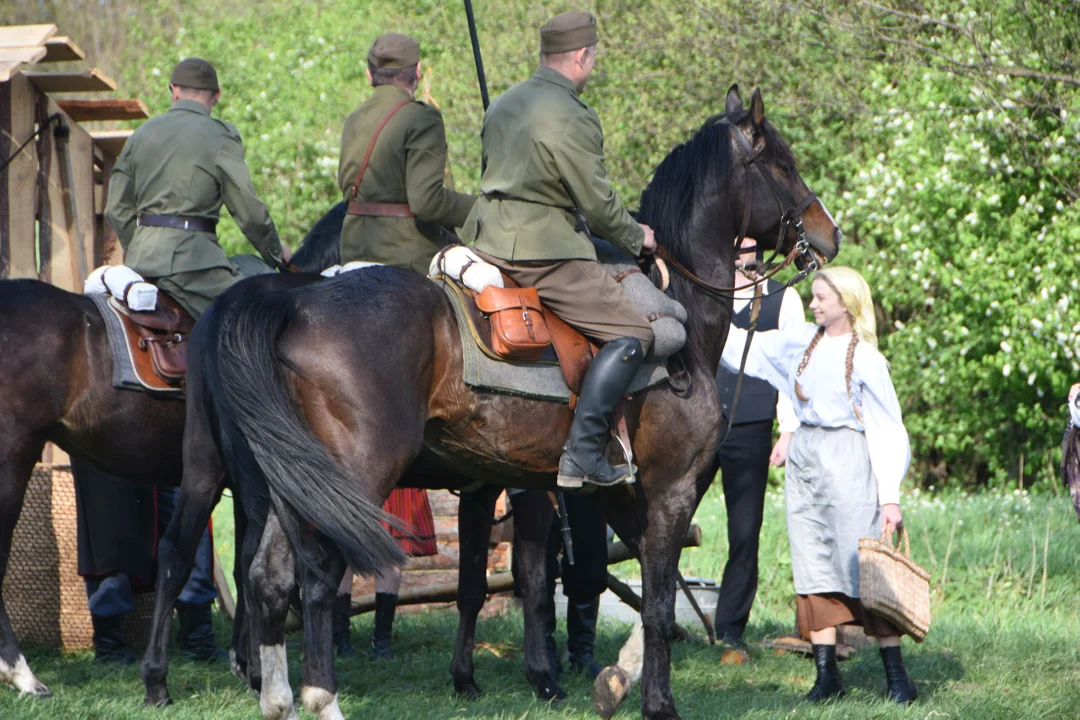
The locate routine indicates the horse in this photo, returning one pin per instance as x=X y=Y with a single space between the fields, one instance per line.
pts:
x=56 y=386
x=320 y=399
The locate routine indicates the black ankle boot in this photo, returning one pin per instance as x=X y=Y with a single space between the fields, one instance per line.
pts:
x=196 y=636
x=109 y=645
x=342 y=626
x=581 y=636
x=901 y=688
x=828 y=684
x=611 y=372
x=385 y=606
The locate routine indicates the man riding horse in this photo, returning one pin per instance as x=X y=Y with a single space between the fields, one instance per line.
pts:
x=543 y=191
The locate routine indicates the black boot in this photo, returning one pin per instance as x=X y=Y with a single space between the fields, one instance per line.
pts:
x=901 y=688
x=385 y=606
x=581 y=636
x=109 y=645
x=343 y=625
x=196 y=636
x=829 y=684
x=612 y=371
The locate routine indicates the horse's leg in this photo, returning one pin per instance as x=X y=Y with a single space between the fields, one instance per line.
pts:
x=669 y=516
x=273 y=573
x=474 y=533
x=203 y=481
x=533 y=515
x=239 y=652
x=319 y=692
x=253 y=533
x=16 y=463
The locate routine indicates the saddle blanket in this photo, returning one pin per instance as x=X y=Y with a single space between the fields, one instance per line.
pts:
x=124 y=375
x=540 y=381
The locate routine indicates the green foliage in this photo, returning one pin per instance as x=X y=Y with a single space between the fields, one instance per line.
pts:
x=944 y=135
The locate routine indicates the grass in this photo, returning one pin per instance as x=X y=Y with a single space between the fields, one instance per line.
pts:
x=1005 y=641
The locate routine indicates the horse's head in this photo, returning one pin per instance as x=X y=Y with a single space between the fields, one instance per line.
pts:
x=771 y=200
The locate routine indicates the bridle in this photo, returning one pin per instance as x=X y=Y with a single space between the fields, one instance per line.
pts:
x=790 y=216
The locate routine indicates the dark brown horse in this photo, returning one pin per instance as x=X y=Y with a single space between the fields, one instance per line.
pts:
x=56 y=386
x=319 y=400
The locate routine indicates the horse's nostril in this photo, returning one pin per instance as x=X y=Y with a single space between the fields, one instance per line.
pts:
x=838 y=237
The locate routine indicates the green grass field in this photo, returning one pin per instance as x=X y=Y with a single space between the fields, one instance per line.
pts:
x=1005 y=641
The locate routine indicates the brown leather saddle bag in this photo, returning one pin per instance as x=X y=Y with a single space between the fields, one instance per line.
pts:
x=518 y=328
x=160 y=337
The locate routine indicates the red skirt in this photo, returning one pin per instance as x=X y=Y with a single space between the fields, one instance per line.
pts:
x=412 y=509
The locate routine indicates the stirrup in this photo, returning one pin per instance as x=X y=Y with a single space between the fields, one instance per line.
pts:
x=578 y=478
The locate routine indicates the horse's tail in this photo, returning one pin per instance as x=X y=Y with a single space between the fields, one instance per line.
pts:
x=267 y=444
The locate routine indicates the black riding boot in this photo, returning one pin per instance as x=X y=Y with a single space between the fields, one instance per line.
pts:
x=901 y=687
x=385 y=606
x=109 y=645
x=196 y=636
x=581 y=636
x=342 y=626
x=829 y=684
x=612 y=371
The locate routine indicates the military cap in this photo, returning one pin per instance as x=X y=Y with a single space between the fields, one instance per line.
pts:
x=392 y=51
x=195 y=73
x=568 y=31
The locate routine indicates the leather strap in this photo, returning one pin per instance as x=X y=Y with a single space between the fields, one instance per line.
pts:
x=371 y=146
x=378 y=209
x=178 y=222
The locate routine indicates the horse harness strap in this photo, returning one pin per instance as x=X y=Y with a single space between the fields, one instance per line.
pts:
x=755 y=312
x=377 y=209
x=177 y=222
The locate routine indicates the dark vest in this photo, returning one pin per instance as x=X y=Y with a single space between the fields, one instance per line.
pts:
x=757 y=398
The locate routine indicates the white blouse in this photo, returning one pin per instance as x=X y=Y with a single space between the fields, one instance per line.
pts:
x=1074 y=410
x=775 y=356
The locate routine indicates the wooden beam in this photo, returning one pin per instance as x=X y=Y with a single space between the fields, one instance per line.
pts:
x=87 y=81
x=7 y=69
x=20 y=179
x=21 y=54
x=25 y=35
x=111 y=141
x=101 y=110
x=62 y=49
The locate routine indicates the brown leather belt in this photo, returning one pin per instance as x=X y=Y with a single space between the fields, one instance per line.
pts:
x=379 y=209
x=179 y=222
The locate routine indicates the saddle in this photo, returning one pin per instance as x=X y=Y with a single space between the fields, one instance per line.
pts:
x=156 y=341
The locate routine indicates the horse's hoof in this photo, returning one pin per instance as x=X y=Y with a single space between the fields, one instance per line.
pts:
x=610 y=688
x=159 y=699
x=551 y=693
x=38 y=691
x=468 y=691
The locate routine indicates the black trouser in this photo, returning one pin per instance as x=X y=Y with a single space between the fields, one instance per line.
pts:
x=586 y=579
x=744 y=467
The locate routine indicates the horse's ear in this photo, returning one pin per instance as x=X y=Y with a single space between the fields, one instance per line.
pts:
x=757 y=108
x=734 y=101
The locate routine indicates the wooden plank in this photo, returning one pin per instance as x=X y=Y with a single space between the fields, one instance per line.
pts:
x=25 y=35
x=91 y=80
x=102 y=110
x=7 y=69
x=22 y=54
x=62 y=49
x=21 y=181
x=112 y=141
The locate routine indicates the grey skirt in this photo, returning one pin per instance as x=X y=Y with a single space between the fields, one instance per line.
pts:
x=832 y=501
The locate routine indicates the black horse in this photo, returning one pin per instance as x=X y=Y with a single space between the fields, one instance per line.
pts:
x=320 y=399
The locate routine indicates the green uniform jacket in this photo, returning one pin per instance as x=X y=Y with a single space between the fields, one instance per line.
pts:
x=184 y=162
x=544 y=146
x=407 y=165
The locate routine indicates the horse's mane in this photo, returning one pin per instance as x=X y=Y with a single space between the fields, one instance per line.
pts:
x=697 y=169
x=322 y=245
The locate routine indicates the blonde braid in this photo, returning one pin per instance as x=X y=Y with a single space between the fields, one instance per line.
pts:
x=849 y=368
x=805 y=359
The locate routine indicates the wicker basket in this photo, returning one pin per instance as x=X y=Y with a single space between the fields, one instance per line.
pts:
x=43 y=593
x=893 y=586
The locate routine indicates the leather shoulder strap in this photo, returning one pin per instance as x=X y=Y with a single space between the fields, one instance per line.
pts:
x=371 y=146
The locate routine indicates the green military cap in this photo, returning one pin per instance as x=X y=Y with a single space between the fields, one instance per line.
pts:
x=195 y=73
x=392 y=51
x=568 y=31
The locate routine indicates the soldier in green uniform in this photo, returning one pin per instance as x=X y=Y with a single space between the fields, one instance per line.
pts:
x=544 y=189
x=393 y=164
x=167 y=188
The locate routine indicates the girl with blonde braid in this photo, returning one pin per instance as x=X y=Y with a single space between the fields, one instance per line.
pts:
x=844 y=464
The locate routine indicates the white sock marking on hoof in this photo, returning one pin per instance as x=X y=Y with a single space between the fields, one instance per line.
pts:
x=321 y=703
x=22 y=678
x=276 y=699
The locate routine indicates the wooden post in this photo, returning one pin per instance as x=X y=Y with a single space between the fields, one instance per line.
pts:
x=18 y=254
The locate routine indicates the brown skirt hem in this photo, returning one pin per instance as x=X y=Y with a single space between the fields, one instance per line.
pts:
x=825 y=610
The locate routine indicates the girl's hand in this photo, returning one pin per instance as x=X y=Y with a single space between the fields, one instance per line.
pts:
x=891 y=518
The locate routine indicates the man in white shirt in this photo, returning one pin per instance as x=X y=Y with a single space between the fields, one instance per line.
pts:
x=748 y=450
x=1074 y=408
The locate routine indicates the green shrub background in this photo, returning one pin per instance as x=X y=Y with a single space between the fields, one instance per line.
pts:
x=944 y=136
